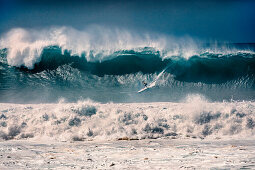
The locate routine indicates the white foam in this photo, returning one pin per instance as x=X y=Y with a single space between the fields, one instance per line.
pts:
x=87 y=120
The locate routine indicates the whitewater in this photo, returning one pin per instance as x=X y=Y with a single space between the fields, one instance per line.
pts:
x=76 y=90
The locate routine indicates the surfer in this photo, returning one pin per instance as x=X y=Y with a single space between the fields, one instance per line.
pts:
x=152 y=84
x=145 y=84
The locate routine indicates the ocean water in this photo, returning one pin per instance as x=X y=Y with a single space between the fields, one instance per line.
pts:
x=44 y=66
x=72 y=85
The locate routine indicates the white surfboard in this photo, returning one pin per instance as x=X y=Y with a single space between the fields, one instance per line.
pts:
x=142 y=89
x=154 y=82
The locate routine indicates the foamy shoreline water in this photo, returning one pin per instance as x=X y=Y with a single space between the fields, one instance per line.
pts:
x=140 y=154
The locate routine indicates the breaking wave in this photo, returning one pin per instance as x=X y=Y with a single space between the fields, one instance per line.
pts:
x=206 y=67
x=45 y=65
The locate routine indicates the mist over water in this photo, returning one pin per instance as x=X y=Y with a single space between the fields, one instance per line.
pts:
x=109 y=65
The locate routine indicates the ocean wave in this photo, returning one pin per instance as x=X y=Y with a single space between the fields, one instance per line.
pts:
x=100 y=63
x=206 y=68
x=60 y=74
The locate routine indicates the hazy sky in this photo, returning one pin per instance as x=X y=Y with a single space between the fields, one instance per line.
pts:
x=223 y=20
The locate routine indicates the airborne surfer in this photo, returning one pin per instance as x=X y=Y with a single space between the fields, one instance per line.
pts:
x=152 y=84
x=145 y=84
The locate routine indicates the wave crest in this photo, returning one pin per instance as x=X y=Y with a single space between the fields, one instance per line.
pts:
x=25 y=46
x=96 y=43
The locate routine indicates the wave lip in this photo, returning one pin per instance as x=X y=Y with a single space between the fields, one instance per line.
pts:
x=25 y=46
x=95 y=43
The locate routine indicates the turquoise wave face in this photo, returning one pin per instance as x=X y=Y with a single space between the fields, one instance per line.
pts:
x=204 y=67
x=121 y=74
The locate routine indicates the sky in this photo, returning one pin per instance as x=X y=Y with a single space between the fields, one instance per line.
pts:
x=221 y=20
